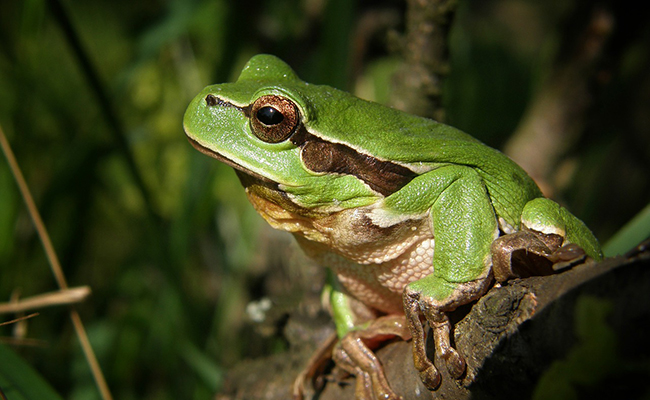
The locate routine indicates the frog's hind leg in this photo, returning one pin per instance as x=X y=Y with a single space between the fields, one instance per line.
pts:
x=546 y=217
x=550 y=240
x=315 y=367
x=353 y=354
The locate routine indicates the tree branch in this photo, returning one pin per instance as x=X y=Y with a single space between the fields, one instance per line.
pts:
x=417 y=85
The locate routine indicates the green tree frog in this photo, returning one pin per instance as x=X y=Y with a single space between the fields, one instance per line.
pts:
x=414 y=217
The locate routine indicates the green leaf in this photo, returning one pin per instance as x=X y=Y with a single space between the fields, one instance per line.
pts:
x=634 y=232
x=19 y=381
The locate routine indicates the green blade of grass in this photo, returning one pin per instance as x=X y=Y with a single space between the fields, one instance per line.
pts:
x=635 y=231
x=18 y=381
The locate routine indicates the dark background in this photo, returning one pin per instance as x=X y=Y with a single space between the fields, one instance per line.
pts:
x=91 y=98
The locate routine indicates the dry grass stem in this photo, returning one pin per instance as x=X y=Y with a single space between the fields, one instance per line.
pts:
x=55 y=266
x=58 y=298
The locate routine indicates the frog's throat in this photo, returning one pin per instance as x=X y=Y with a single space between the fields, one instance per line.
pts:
x=260 y=186
x=268 y=198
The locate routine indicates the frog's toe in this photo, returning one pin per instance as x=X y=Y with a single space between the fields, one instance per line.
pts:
x=353 y=355
x=567 y=256
x=455 y=364
x=430 y=377
x=429 y=374
x=363 y=389
x=441 y=327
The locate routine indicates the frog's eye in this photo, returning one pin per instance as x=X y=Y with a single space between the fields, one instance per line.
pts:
x=274 y=118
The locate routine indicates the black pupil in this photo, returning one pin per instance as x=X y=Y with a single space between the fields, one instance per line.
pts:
x=269 y=116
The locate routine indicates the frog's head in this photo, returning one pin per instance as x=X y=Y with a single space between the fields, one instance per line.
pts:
x=289 y=137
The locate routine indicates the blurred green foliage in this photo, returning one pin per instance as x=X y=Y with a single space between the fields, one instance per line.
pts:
x=164 y=235
x=18 y=381
x=590 y=361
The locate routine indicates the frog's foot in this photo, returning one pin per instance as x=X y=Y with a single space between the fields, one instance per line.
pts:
x=422 y=302
x=567 y=256
x=314 y=370
x=527 y=253
x=353 y=354
x=441 y=327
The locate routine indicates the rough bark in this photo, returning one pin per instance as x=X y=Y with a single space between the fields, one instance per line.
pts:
x=511 y=337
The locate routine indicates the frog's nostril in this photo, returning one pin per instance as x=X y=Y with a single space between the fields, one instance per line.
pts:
x=211 y=100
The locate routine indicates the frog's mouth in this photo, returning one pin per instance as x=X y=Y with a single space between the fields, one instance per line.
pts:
x=261 y=187
x=247 y=176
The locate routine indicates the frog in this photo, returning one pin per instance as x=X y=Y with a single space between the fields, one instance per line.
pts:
x=412 y=217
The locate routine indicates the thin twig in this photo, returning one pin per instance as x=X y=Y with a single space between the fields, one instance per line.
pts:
x=21 y=341
x=55 y=266
x=33 y=212
x=13 y=321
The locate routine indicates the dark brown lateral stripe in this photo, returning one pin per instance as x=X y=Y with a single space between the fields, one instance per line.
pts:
x=319 y=155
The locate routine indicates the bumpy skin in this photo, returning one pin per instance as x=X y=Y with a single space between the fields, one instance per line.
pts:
x=404 y=210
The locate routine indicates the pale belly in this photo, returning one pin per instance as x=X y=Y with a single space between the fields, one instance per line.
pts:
x=380 y=286
x=372 y=262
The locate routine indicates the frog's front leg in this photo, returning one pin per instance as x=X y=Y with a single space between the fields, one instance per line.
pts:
x=464 y=226
x=353 y=353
